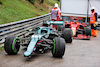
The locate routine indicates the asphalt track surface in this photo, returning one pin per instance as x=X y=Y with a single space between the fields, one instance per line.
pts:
x=80 y=53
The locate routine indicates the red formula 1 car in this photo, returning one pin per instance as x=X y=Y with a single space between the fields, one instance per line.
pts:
x=80 y=30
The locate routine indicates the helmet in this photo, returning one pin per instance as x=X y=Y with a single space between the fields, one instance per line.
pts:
x=92 y=8
x=56 y=5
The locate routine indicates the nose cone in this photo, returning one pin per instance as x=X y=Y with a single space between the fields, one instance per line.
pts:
x=27 y=53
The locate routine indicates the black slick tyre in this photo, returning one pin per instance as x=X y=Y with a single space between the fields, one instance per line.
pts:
x=12 y=45
x=67 y=35
x=87 y=31
x=58 y=49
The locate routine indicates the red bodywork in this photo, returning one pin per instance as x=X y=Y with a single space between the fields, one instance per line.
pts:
x=74 y=26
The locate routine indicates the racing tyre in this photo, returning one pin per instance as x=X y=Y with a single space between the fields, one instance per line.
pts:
x=12 y=45
x=67 y=35
x=88 y=31
x=58 y=49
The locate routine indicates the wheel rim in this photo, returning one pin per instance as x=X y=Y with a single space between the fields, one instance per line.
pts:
x=17 y=46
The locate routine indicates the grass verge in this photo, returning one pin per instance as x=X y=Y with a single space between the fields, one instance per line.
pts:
x=15 y=10
x=1 y=48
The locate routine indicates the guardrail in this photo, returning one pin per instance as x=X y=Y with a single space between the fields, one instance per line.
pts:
x=20 y=28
